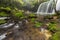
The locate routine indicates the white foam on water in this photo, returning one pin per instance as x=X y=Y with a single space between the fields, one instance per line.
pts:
x=3 y=36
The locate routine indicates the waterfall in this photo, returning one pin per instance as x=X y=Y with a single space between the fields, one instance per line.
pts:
x=49 y=7
x=42 y=7
x=58 y=5
x=46 y=8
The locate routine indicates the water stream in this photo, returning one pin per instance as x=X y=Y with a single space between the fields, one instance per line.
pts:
x=3 y=36
x=44 y=8
x=6 y=25
x=1 y=18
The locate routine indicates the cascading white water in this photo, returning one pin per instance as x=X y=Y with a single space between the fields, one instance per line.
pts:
x=42 y=7
x=2 y=18
x=50 y=7
x=46 y=8
x=3 y=36
x=57 y=5
x=6 y=25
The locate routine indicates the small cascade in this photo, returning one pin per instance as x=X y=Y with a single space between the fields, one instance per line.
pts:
x=46 y=8
x=6 y=25
x=50 y=7
x=1 y=18
x=3 y=36
x=42 y=7
x=57 y=5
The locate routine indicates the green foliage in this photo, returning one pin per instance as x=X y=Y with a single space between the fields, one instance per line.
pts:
x=2 y=22
x=52 y=26
x=5 y=8
x=21 y=1
x=32 y=19
x=19 y=14
x=38 y=24
x=3 y=14
x=56 y=36
x=32 y=15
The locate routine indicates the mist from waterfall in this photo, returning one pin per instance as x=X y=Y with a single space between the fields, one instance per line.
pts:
x=46 y=8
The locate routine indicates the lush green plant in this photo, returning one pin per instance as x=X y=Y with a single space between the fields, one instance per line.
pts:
x=56 y=36
x=38 y=24
x=32 y=19
x=52 y=26
x=5 y=8
x=3 y=14
x=32 y=15
x=2 y=22
x=4 y=11
x=18 y=14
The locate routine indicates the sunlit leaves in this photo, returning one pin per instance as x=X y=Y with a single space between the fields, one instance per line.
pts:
x=5 y=8
x=8 y=8
x=3 y=11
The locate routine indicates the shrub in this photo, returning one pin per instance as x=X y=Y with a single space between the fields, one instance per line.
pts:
x=3 y=14
x=2 y=22
x=56 y=36
x=38 y=24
